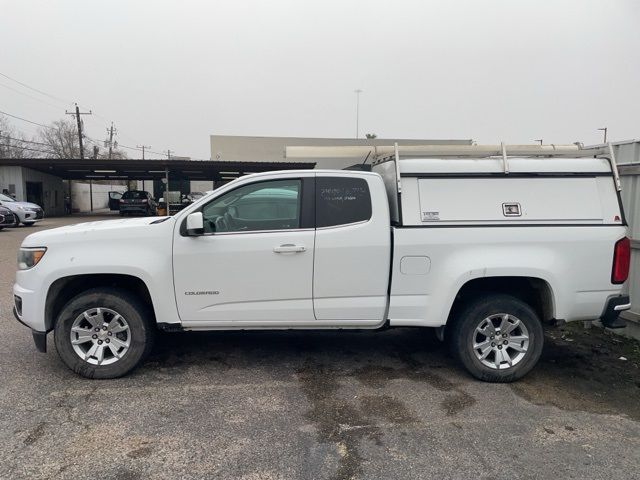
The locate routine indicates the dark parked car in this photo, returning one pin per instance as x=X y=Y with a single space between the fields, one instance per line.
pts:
x=7 y=218
x=137 y=201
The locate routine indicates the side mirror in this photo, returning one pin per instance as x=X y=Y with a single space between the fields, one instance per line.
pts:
x=195 y=224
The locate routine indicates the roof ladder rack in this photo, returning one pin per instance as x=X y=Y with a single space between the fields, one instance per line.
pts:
x=397 y=162
x=614 y=167
x=505 y=161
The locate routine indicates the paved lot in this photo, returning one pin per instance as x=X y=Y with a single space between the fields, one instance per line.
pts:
x=315 y=405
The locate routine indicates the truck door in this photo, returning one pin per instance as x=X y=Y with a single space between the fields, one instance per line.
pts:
x=254 y=262
x=352 y=247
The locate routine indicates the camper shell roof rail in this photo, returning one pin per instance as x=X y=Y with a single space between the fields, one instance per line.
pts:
x=384 y=153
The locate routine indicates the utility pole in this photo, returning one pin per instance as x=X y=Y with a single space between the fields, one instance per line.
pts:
x=539 y=140
x=169 y=152
x=357 y=92
x=77 y=114
x=143 y=148
x=111 y=131
x=604 y=129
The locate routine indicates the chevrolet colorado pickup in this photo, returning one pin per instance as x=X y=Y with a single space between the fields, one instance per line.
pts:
x=482 y=245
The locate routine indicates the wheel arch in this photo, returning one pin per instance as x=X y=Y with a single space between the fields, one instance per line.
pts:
x=64 y=289
x=534 y=291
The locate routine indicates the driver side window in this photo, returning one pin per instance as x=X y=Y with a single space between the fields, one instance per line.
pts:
x=271 y=205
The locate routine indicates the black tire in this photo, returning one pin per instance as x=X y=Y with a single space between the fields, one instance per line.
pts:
x=137 y=315
x=461 y=335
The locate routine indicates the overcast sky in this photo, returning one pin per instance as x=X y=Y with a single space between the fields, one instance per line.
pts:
x=171 y=73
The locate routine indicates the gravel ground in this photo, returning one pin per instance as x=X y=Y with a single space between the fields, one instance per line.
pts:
x=315 y=405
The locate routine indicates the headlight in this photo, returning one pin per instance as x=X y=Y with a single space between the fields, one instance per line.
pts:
x=18 y=207
x=30 y=257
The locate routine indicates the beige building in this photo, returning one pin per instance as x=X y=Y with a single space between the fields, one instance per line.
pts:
x=272 y=149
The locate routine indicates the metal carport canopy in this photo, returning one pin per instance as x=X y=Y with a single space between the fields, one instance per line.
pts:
x=148 y=169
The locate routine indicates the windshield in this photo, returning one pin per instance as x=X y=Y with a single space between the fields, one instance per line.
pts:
x=134 y=194
x=4 y=198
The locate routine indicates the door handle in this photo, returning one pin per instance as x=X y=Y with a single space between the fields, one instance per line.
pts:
x=289 y=248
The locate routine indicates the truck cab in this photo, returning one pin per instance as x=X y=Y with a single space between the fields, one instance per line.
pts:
x=306 y=240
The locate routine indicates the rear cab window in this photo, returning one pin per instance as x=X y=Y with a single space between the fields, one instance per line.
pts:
x=342 y=201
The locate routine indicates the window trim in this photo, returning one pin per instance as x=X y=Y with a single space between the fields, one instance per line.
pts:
x=342 y=225
x=306 y=213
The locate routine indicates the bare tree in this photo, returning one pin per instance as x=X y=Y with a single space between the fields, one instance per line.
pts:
x=12 y=143
x=61 y=139
x=93 y=150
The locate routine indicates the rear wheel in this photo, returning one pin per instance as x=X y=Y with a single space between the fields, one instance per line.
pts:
x=498 y=338
x=103 y=333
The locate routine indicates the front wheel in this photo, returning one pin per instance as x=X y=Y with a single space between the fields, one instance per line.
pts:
x=103 y=333
x=498 y=338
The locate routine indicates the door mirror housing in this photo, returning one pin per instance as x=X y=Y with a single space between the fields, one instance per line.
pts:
x=195 y=224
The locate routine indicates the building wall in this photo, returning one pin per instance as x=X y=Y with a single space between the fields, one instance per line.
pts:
x=81 y=199
x=15 y=179
x=272 y=149
x=628 y=160
x=11 y=179
x=196 y=186
x=146 y=185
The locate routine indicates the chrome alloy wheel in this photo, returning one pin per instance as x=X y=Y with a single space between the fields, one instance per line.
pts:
x=100 y=336
x=500 y=341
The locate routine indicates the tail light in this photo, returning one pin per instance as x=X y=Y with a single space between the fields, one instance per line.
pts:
x=621 y=260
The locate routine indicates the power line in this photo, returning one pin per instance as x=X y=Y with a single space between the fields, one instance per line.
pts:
x=66 y=102
x=25 y=120
x=84 y=136
x=143 y=147
x=29 y=96
x=26 y=148
x=24 y=141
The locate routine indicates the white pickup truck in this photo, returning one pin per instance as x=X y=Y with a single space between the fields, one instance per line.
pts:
x=483 y=245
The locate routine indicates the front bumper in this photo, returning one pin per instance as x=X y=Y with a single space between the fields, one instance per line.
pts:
x=25 y=310
x=29 y=216
x=611 y=316
x=134 y=208
x=8 y=220
x=39 y=338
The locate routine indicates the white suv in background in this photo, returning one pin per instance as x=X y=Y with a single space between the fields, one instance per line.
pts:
x=27 y=213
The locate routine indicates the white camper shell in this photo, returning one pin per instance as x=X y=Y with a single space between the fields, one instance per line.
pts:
x=464 y=191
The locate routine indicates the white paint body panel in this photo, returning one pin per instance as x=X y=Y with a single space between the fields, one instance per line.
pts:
x=574 y=261
x=539 y=199
x=351 y=268
x=239 y=277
